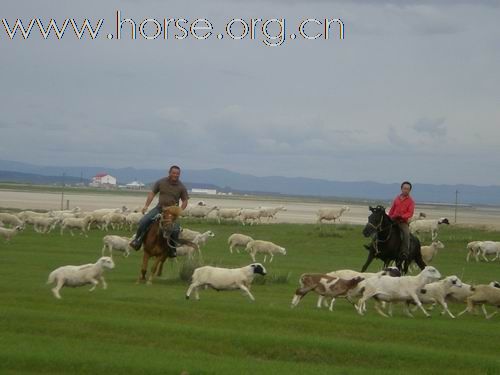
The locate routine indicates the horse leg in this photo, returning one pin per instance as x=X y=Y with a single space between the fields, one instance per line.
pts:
x=144 y=268
x=154 y=269
x=368 y=261
x=159 y=271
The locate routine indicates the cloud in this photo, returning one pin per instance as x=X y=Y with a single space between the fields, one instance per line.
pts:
x=432 y=127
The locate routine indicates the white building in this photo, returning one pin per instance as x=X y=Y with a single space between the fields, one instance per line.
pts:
x=103 y=180
x=204 y=191
x=135 y=185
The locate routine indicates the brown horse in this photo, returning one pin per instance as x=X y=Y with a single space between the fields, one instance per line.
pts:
x=157 y=241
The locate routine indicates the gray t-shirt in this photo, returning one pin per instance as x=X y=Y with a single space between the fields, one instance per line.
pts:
x=170 y=193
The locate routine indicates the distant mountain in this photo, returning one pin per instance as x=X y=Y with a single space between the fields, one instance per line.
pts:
x=8 y=176
x=226 y=180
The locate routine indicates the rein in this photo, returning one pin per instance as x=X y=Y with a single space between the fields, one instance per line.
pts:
x=379 y=230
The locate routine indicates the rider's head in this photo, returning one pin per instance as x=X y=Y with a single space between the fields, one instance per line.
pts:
x=173 y=173
x=406 y=187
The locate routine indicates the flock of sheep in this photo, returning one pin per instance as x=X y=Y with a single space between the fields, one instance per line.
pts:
x=385 y=287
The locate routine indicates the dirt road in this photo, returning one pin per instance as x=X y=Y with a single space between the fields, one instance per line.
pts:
x=296 y=211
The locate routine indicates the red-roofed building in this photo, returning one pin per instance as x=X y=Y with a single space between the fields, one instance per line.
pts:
x=103 y=180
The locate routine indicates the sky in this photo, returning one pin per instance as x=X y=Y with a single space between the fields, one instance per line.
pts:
x=412 y=92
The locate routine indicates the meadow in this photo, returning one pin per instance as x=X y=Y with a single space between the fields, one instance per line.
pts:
x=152 y=329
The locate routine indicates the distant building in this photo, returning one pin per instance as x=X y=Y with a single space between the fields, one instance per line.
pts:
x=135 y=185
x=204 y=191
x=103 y=180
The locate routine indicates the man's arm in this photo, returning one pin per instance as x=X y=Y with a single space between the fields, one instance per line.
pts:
x=149 y=199
x=184 y=203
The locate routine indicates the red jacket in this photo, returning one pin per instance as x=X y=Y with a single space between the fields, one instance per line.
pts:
x=402 y=208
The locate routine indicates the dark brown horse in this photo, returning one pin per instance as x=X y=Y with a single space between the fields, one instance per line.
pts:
x=157 y=242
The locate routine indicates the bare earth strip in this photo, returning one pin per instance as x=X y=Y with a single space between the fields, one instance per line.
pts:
x=297 y=211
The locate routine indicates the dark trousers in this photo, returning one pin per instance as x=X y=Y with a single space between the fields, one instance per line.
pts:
x=405 y=241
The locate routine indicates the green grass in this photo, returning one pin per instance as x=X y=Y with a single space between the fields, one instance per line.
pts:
x=141 y=329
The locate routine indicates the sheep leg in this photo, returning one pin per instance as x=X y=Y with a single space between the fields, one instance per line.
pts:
x=265 y=257
x=320 y=301
x=230 y=248
x=57 y=288
x=194 y=286
x=379 y=310
x=296 y=299
x=419 y=304
x=484 y=256
x=104 y=284
x=94 y=284
x=331 y=303
x=445 y=307
x=253 y=257
x=247 y=291
x=493 y=313
x=103 y=249
x=483 y=308
x=407 y=310
x=272 y=257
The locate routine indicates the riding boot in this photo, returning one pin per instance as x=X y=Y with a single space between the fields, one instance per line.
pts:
x=174 y=240
x=143 y=227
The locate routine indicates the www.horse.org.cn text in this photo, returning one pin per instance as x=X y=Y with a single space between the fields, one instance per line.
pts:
x=271 y=32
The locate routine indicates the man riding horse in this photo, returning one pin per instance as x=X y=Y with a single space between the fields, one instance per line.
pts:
x=170 y=190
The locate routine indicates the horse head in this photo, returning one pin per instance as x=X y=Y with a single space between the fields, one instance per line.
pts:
x=168 y=216
x=375 y=221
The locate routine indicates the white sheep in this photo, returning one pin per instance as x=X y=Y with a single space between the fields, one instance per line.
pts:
x=188 y=234
x=187 y=250
x=74 y=276
x=227 y=213
x=75 y=223
x=270 y=213
x=116 y=219
x=397 y=289
x=7 y=233
x=427 y=225
x=331 y=213
x=488 y=248
x=9 y=219
x=437 y=292
x=430 y=251
x=97 y=217
x=201 y=211
x=238 y=239
x=202 y=238
x=225 y=278
x=250 y=215
x=473 y=249
x=198 y=241
x=45 y=224
x=113 y=242
x=27 y=217
x=264 y=247
x=133 y=219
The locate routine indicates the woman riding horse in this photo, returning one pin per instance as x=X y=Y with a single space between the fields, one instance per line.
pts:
x=386 y=242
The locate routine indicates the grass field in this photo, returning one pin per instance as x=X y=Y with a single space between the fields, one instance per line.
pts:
x=140 y=329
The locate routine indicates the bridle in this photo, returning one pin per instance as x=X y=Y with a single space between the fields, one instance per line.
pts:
x=379 y=229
